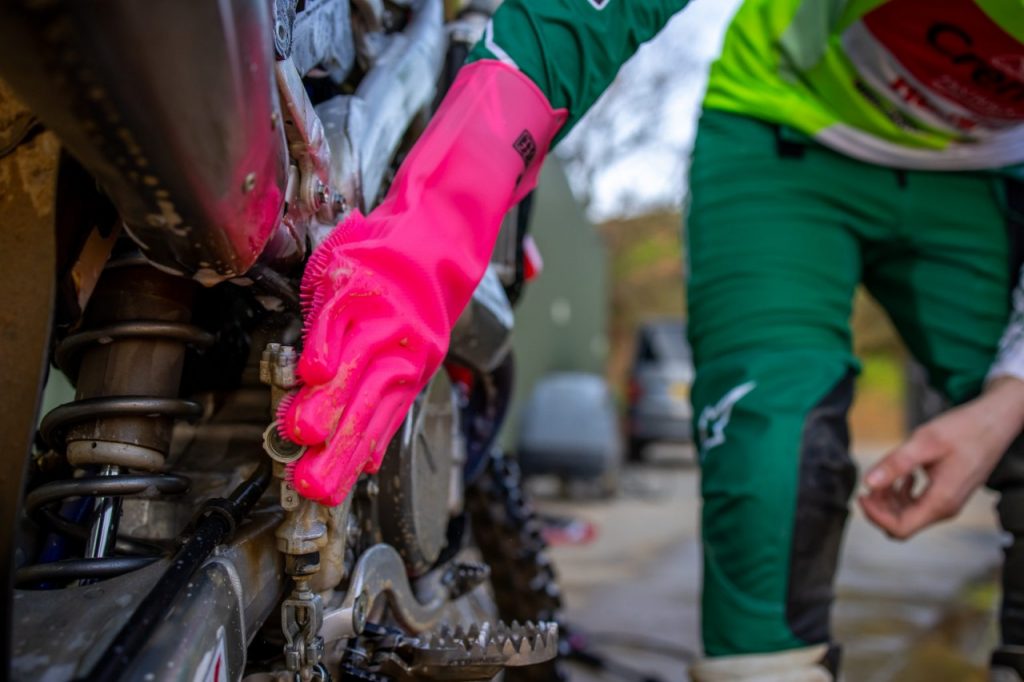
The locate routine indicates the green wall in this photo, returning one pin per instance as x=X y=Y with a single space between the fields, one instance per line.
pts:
x=562 y=319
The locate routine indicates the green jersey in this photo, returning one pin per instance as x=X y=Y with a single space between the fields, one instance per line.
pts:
x=931 y=84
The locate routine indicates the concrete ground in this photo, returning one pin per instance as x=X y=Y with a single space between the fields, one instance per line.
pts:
x=906 y=612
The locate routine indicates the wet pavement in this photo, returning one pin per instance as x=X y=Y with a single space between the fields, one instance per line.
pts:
x=907 y=612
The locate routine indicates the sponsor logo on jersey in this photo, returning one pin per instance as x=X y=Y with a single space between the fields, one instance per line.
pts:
x=990 y=84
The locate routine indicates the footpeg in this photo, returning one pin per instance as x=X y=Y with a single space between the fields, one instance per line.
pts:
x=479 y=653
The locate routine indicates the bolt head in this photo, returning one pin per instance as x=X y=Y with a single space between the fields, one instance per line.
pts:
x=289 y=497
x=338 y=203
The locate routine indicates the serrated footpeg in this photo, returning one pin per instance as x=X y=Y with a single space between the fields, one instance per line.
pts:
x=477 y=653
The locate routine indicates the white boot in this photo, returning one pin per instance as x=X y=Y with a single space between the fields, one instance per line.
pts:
x=795 y=665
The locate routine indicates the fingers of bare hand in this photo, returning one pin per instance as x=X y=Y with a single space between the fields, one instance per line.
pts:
x=921 y=449
x=934 y=505
x=903 y=491
x=880 y=511
x=884 y=505
x=900 y=514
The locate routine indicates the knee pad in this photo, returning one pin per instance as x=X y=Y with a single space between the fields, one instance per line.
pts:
x=827 y=479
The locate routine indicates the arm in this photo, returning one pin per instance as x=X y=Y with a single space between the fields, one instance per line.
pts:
x=382 y=294
x=1010 y=357
x=572 y=49
x=957 y=450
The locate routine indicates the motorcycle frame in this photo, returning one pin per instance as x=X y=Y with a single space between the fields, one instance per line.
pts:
x=203 y=194
x=179 y=110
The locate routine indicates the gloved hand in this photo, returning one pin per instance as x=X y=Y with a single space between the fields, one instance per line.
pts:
x=383 y=292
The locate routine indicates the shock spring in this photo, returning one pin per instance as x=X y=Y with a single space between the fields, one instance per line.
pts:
x=127 y=361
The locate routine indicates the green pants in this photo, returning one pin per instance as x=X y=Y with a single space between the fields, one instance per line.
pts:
x=780 y=233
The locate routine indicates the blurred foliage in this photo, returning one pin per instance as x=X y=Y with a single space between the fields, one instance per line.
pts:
x=872 y=330
x=647 y=282
x=881 y=371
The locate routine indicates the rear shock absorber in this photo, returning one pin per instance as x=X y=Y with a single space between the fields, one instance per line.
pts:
x=127 y=363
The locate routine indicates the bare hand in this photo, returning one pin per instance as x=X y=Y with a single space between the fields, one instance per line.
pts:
x=931 y=476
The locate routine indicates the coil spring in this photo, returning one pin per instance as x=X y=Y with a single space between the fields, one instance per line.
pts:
x=43 y=503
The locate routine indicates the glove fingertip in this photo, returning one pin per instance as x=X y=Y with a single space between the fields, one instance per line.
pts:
x=305 y=481
x=318 y=478
x=314 y=368
x=296 y=424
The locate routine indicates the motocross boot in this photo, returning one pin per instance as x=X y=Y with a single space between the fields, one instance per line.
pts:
x=817 y=663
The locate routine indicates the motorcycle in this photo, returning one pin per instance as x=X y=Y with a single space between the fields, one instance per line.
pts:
x=165 y=170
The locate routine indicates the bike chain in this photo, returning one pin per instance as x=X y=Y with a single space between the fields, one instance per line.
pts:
x=509 y=536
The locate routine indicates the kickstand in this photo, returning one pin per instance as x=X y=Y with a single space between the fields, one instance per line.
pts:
x=582 y=652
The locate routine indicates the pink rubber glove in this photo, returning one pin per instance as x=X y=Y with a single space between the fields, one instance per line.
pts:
x=382 y=294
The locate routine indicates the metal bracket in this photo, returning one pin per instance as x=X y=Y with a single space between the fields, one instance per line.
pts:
x=380 y=572
x=308 y=145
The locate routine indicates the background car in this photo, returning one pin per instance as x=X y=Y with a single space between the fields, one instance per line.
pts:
x=659 y=387
x=570 y=429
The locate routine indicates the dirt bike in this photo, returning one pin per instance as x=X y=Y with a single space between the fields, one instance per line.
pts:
x=166 y=168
